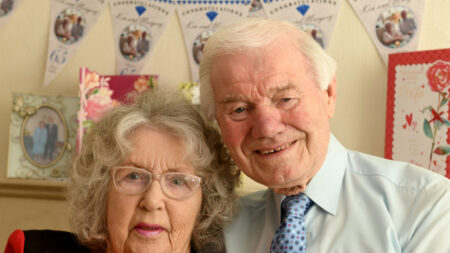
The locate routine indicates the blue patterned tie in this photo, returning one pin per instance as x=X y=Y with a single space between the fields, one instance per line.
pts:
x=291 y=235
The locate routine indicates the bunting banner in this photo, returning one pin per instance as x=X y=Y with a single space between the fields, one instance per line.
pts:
x=137 y=27
x=393 y=25
x=316 y=18
x=256 y=9
x=70 y=22
x=200 y=19
x=6 y=8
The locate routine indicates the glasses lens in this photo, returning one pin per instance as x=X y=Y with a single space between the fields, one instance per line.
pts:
x=179 y=185
x=131 y=180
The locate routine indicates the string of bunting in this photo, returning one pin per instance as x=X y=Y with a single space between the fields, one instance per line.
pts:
x=393 y=25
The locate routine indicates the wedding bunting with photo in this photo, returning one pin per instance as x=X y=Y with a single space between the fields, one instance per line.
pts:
x=417 y=115
x=137 y=26
x=7 y=7
x=256 y=9
x=200 y=19
x=70 y=22
x=316 y=18
x=42 y=136
x=394 y=26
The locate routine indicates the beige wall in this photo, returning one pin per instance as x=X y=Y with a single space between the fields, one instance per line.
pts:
x=358 y=123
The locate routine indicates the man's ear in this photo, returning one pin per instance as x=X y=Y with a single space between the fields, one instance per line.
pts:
x=331 y=94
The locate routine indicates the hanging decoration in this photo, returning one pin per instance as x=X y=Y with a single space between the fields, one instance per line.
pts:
x=7 y=7
x=256 y=9
x=200 y=19
x=70 y=22
x=137 y=27
x=316 y=18
x=393 y=25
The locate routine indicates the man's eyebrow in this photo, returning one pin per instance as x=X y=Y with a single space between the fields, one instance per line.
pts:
x=239 y=97
x=232 y=98
x=287 y=87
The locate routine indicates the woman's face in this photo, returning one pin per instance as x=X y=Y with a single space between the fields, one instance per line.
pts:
x=152 y=222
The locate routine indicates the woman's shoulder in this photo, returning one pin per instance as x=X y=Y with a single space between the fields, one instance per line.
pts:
x=30 y=241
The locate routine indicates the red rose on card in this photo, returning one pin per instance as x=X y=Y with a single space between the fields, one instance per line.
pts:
x=439 y=76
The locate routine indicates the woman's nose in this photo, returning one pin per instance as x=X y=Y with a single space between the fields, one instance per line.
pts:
x=153 y=198
x=266 y=122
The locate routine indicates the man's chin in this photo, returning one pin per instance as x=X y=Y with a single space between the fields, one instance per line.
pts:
x=289 y=191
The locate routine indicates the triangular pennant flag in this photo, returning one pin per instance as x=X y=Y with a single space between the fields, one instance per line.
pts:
x=211 y=15
x=393 y=27
x=70 y=22
x=136 y=29
x=317 y=18
x=140 y=9
x=7 y=7
x=303 y=9
x=200 y=19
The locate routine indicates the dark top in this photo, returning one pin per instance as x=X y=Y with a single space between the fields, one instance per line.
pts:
x=44 y=241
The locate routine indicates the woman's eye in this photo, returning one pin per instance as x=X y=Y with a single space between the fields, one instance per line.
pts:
x=133 y=176
x=178 y=181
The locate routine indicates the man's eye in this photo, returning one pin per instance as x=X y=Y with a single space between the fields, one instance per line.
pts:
x=239 y=110
x=287 y=103
x=240 y=113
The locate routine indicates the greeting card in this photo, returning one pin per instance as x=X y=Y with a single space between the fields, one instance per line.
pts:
x=417 y=117
x=98 y=93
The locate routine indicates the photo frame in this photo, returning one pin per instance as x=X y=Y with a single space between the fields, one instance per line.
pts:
x=42 y=136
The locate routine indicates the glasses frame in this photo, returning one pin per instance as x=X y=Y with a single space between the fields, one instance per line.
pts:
x=157 y=177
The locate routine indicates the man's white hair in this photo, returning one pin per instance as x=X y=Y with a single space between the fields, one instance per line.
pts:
x=258 y=33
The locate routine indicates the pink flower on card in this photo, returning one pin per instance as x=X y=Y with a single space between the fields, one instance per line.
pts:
x=91 y=80
x=141 y=84
x=98 y=103
x=439 y=76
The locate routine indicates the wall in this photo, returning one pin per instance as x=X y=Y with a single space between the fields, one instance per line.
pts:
x=358 y=123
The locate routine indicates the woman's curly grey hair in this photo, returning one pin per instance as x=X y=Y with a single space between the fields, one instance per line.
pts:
x=107 y=145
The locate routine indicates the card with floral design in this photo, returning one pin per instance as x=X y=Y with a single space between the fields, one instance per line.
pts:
x=417 y=116
x=98 y=93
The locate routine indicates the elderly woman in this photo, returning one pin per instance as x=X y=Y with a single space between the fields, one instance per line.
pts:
x=152 y=177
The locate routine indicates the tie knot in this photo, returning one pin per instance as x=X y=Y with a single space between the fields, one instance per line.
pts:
x=296 y=205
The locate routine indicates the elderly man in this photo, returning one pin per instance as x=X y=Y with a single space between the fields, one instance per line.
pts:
x=272 y=90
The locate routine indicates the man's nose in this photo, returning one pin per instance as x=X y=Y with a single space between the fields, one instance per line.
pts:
x=266 y=122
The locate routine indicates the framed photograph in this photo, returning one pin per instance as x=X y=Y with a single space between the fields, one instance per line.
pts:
x=417 y=116
x=42 y=136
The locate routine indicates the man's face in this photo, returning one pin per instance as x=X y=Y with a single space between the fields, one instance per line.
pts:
x=273 y=117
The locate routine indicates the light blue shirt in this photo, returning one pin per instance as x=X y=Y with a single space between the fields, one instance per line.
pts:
x=362 y=203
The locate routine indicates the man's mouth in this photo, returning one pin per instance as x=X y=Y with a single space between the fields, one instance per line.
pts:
x=271 y=151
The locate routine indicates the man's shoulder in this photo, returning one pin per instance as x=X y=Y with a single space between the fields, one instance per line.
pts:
x=396 y=173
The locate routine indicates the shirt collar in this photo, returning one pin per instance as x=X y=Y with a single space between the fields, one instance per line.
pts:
x=324 y=188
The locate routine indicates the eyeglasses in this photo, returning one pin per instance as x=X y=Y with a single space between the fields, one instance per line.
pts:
x=133 y=181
